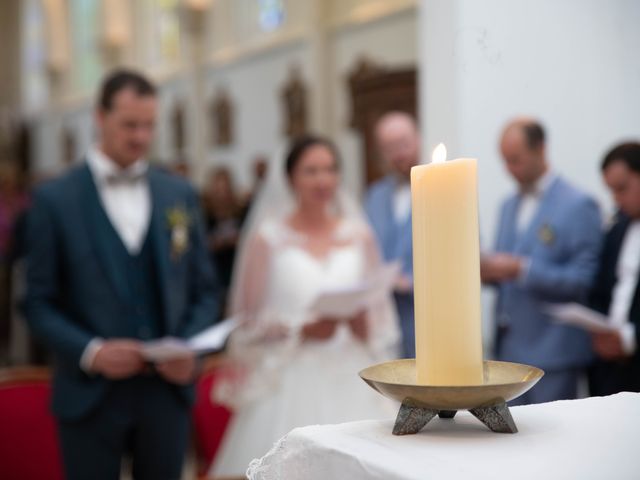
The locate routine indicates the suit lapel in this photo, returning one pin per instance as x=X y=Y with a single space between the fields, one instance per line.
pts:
x=98 y=225
x=527 y=239
x=507 y=238
x=159 y=236
x=615 y=249
x=396 y=233
x=403 y=231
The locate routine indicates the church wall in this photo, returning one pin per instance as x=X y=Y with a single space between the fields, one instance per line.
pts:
x=254 y=69
x=573 y=64
x=390 y=41
x=255 y=86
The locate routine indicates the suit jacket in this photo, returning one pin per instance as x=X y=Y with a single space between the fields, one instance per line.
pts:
x=562 y=244
x=75 y=291
x=615 y=376
x=395 y=241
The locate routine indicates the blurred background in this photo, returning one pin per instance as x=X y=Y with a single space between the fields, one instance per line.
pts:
x=239 y=78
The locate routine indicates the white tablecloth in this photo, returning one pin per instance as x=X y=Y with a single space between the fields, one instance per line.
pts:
x=593 y=438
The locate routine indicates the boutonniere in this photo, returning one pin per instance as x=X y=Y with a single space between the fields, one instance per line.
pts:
x=547 y=234
x=179 y=221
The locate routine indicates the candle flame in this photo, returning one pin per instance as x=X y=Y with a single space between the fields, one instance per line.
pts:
x=439 y=154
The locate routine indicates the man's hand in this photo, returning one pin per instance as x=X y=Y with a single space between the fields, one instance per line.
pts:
x=359 y=326
x=180 y=371
x=608 y=345
x=118 y=359
x=322 y=329
x=500 y=267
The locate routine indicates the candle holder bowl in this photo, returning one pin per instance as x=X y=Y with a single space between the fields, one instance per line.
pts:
x=503 y=381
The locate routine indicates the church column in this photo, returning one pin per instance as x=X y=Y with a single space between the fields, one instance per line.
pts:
x=58 y=48
x=115 y=32
x=10 y=22
x=58 y=61
x=196 y=20
x=322 y=67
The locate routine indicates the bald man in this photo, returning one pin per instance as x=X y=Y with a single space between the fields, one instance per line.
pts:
x=388 y=206
x=546 y=251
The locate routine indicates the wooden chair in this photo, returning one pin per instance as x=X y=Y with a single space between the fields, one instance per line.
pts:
x=29 y=446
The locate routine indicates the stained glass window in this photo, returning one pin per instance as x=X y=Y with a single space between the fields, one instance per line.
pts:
x=271 y=14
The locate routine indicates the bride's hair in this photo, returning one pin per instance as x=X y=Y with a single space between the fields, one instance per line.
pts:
x=302 y=144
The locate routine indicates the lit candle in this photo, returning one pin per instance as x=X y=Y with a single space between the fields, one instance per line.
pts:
x=446 y=270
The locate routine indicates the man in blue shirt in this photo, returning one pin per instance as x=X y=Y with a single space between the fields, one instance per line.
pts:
x=546 y=250
x=388 y=206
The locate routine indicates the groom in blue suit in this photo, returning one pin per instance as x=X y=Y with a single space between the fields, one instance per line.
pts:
x=388 y=206
x=546 y=251
x=116 y=258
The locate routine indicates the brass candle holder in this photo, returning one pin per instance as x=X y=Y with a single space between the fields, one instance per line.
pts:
x=503 y=381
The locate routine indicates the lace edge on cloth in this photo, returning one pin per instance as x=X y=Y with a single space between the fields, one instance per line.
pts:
x=268 y=467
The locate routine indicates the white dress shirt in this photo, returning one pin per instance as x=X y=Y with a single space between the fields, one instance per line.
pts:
x=530 y=201
x=529 y=204
x=622 y=296
x=126 y=199
x=125 y=196
x=402 y=202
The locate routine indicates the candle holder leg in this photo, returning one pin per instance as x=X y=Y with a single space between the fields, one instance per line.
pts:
x=498 y=418
x=412 y=419
x=447 y=413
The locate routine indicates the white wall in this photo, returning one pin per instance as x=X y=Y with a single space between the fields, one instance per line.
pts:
x=572 y=63
x=254 y=85
x=390 y=41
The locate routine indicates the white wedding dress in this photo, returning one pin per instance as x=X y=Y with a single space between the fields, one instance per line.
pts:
x=290 y=383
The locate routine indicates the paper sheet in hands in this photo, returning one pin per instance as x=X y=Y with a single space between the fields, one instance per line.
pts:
x=209 y=340
x=347 y=302
x=580 y=316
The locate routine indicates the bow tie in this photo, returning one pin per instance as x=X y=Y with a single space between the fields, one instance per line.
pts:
x=125 y=178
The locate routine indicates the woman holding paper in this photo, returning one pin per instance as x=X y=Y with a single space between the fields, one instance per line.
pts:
x=293 y=365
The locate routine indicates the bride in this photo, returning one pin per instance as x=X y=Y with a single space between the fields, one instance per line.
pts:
x=290 y=368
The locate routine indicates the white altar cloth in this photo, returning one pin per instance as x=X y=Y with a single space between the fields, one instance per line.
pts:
x=593 y=438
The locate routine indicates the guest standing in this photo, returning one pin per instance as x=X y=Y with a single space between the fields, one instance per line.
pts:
x=546 y=251
x=616 y=291
x=388 y=206
x=224 y=215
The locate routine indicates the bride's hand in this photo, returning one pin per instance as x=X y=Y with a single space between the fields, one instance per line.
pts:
x=322 y=329
x=359 y=326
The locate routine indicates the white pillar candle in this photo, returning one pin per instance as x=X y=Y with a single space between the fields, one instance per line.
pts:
x=446 y=269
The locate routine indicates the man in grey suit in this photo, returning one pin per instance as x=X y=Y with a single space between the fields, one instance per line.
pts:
x=388 y=206
x=547 y=247
x=116 y=257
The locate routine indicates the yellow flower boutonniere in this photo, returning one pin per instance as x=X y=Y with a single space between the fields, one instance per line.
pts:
x=547 y=234
x=179 y=221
